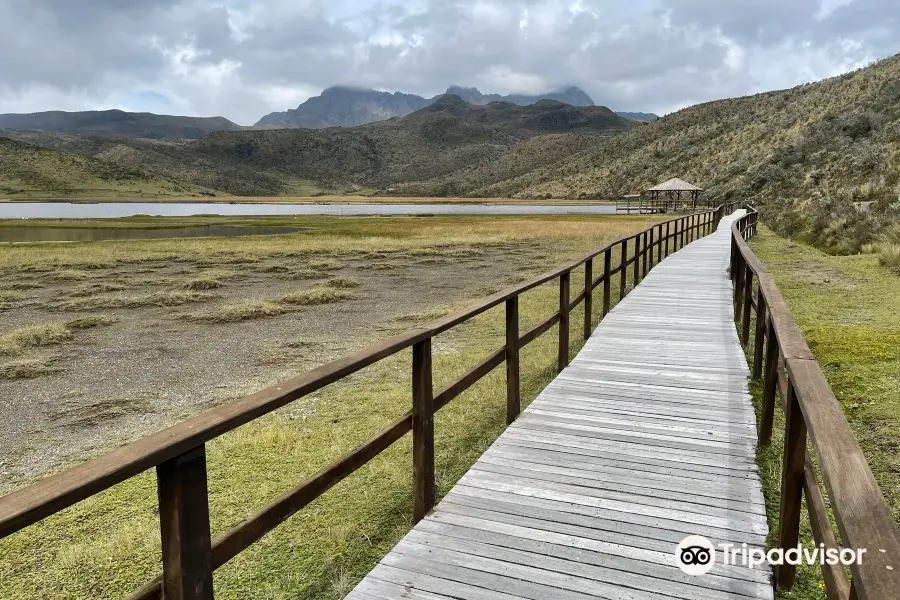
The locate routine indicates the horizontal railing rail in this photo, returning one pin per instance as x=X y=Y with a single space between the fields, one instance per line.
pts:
x=785 y=364
x=189 y=555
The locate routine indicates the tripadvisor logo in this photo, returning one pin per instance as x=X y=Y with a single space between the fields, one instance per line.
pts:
x=696 y=555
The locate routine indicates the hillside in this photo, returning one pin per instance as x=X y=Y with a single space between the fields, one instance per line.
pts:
x=446 y=140
x=117 y=122
x=818 y=153
x=31 y=171
x=342 y=106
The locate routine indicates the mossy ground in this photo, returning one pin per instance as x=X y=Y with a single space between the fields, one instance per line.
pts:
x=847 y=309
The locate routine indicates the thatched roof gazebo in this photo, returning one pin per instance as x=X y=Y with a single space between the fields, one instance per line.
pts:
x=673 y=189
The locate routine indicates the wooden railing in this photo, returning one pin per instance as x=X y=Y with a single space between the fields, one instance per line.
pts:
x=785 y=364
x=189 y=556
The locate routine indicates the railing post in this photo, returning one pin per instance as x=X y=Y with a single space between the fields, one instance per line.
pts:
x=668 y=235
x=645 y=250
x=623 y=268
x=422 y=430
x=588 y=297
x=650 y=246
x=683 y=231
x=760 y=332
x=748 y=299
x=184 y=527
x=563 y=355
x=513 y=402
x=607 y=284
x=738 y=285
x=659 y=237
x=770 y=384
x=791 y=486
x=637 y=259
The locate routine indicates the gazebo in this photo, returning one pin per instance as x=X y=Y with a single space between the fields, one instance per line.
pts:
x=673 y=189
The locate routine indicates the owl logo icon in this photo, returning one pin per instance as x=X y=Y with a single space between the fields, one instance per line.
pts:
x=695 y=555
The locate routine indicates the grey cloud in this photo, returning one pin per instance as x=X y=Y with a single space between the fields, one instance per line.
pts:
x=246 y=56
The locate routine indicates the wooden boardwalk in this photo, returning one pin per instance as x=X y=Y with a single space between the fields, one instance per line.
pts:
x=647 y=437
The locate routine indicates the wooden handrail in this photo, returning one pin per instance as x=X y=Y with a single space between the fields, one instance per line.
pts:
x=178 y=453
x=863 y=517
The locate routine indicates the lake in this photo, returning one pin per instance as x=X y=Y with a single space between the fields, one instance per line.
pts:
x=112 y=210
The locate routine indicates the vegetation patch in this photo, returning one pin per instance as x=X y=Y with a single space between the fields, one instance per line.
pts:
x=315 y=296
x=90 y=322
x=27 y=368
x=326 y=265
x=242 y=311
x=17 y=341
x=298 y=274
x=9 y=297
x=200 y=284
x=145 y=300
x=89 y=289
x=342 y=283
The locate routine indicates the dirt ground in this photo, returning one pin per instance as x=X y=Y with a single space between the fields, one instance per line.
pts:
x=140 y=368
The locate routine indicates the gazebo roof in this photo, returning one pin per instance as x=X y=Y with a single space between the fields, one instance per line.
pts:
x=675 y=185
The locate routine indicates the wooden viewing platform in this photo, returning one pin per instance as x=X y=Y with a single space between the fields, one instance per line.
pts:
x=648 y=436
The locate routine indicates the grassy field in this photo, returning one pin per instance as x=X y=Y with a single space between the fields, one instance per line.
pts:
x=108 y=545
x=847 y=309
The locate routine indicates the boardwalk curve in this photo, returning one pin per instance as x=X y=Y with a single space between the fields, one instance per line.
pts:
x=648 y=436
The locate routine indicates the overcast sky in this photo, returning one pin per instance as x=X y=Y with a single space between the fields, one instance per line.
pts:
x=244 y=58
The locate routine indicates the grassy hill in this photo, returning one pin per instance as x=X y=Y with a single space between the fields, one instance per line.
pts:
x=825 y=156
x=28 y=171
x=118 y=122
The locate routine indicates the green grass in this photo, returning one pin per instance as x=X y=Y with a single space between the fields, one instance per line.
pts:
x=847 y=309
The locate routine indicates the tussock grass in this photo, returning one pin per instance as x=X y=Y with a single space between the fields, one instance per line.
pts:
x=90 y=322
x=89 y=289
x=25 y=285
x=326 y=265
x=298 y=274
x=242 y=311
x=27 y=368
x=342 y=283
x=69 y=275
x=315 y=296
x=11 y=297
x=17 y=341
x=203 y=283
x=139 y=301
x=889 y=256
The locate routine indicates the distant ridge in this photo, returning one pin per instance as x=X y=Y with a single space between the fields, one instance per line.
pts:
x=345 y=106
x=118 y=122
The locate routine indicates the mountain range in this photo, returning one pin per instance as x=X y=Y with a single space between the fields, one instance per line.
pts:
x=344 y=106
x=447 y=136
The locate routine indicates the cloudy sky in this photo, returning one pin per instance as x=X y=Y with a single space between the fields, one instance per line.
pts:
x=244 y=58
